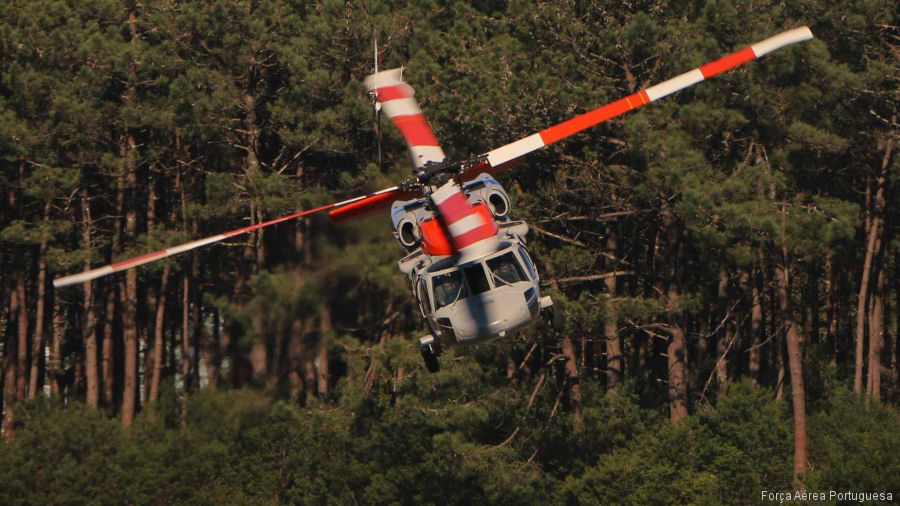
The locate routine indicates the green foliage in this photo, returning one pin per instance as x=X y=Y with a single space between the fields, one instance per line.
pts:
x=857 y=445
x=440 y=445
x=254 y=109
x=723 y=455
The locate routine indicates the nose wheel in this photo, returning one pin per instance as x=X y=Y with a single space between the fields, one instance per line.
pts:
x=552 y=314
x=431 y=350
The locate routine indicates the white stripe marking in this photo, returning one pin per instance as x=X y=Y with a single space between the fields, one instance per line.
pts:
x=444 y=192
x=674 y=84
x=515 y=149
x=481 y=248
x=781 y=40
x=185 y=247
x=361 y=197
x=384 y=78
x=81 y=277
x=424 y=154
x=400 y=107
x=467 y=224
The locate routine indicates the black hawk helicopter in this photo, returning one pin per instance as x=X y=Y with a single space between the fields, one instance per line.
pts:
x=466 y=259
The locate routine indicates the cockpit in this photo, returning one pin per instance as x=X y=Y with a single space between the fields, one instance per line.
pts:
x=505 y=268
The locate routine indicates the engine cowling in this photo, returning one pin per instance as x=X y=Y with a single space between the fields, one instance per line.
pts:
x=486 y=189
x=498 y=201
x=408 y=233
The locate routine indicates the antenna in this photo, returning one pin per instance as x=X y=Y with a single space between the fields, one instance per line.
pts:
x=377 y=104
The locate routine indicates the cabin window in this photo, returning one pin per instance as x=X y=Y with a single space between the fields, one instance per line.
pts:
x=447 y=288
x=528 y=264
x=478 y=282
x=423 y=297
x=505 y=270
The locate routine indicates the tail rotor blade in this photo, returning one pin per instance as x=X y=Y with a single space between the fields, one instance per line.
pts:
x=510 y=152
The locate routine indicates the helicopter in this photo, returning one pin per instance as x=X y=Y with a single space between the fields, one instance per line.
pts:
x=466 y=258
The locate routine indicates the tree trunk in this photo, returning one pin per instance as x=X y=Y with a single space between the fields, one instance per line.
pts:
x=57 y=346
x=896 y=371
x=756 y=327
x=129 y=326
x=108 y=343
x=876 y=337
x=22 y=367
x=573 y=378
x=216 y=346
x=614 y=360
x=863 y=301
x=676 y=351
x=725 y=333
x=186 y=332
x=873 y=240
x=89 y=330
x=295 y=360
x=831 y=310
x=37 y=349
x=9 y=366
x=798 y=392
x=130 y=294
x=159 y=335
x=323 y=376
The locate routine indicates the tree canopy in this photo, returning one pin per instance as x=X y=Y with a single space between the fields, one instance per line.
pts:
x=725 y=258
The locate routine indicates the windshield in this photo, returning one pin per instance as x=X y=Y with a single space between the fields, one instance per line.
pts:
x=505 y=270
x=447 y=288
x=528 y=264
x=477 y=281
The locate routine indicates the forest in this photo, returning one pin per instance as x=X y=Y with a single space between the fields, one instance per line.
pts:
x=726 y=259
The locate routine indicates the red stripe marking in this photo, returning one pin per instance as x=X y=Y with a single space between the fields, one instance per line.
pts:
x=415 y=130
x=278 y=220
x=125 y=263
x=434 y=240
x=489 y=229
x=396 y=91
x=588 y=119
x=645 y=99
x=455 y=207
x=727 y=62
x=369 y=206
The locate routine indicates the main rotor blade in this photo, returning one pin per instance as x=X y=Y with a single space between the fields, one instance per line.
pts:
x=510 y=152
x=158 y=255
x=471 y=230
x=397 y=99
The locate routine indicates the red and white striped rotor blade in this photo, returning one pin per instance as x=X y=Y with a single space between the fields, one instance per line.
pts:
x=472 y=230
x=397 y=99
x=510 y=152
x=89 y=275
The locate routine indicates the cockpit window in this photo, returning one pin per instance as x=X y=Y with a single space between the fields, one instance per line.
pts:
x=423 y=296
x=528 y=264
x=505 y=270
x=478 y=283
x=447 y=288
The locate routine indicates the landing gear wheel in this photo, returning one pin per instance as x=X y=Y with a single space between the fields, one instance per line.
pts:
x=431 y=350
x=558 y=319
x=555 y=318
x=431 y=360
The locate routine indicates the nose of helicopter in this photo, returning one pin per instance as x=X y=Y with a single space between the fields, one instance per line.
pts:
x=495 y=315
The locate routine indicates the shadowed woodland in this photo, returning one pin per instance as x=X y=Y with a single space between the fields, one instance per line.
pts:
x=726 y=258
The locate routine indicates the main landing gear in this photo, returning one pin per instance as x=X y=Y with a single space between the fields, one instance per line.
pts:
x=552 y=314
x=431 y=350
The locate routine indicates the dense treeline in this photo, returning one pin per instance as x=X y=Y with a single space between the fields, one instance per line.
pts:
x=739 y=232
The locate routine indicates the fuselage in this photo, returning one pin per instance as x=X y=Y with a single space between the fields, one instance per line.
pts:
x=490 y=292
